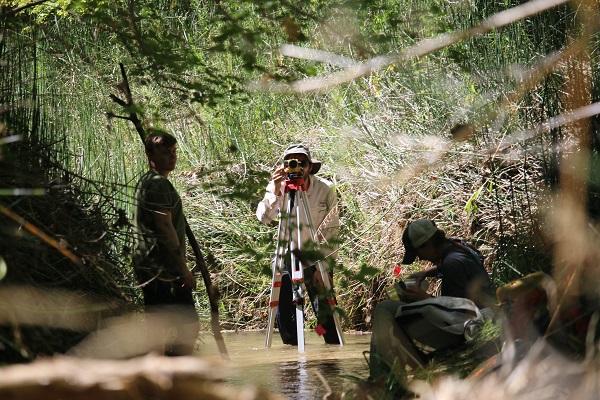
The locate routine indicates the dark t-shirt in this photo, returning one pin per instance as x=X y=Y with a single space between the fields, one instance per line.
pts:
x=154 y=193
x=463 y=275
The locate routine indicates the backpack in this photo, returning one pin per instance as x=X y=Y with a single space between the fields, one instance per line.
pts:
x=448 y=314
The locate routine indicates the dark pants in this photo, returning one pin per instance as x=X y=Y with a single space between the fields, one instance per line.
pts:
x=286 y=312
x=176 y=304
x=393 y=340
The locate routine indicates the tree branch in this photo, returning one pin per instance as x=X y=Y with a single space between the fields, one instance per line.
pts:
x=112 y=115
x=24 y=7
x=117 y=100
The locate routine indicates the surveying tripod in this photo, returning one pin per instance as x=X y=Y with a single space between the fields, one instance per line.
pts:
x=291 y=222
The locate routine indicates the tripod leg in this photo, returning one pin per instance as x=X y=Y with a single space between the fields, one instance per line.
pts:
x=297 y=274
x=300 y=325
x=331 y=301
x=273 y=304
x=298 y=298
x=282 y=237
x=322 y=270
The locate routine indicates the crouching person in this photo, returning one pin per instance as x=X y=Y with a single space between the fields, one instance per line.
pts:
x=402 y=329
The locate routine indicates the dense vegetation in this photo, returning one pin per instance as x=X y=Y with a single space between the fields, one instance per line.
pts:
x=420 y=137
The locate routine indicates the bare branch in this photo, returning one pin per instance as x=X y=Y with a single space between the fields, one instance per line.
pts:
x=61 y=246
x=551 y=123
x=422 y=48
x=290 y=50
x=112 y=115
x=24 y=7
x=117 y=100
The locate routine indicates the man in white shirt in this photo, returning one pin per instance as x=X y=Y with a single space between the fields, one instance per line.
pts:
x=322 y=203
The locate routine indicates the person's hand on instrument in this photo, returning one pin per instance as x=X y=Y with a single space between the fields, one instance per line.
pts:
x=414 y=293
x=418 y=278
x=278 y=178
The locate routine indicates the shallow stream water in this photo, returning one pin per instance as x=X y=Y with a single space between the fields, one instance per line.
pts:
x=281 y=369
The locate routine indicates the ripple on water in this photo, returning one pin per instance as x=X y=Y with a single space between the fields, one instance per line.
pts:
x=283 y=370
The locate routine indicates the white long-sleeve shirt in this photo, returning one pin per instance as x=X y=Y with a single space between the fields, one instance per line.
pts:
x=322 y=204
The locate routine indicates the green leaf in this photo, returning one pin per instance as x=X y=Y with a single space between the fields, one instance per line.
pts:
x=471 y=206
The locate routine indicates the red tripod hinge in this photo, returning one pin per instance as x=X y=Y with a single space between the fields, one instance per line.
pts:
x=294 y=184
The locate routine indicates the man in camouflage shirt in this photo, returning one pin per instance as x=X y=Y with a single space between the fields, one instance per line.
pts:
x=160 y=260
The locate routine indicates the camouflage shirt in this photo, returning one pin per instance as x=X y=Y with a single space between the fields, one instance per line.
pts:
x=155 y=193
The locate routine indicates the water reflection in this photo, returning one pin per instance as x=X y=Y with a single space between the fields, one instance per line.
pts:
x=283 y=370
x=293 y=379
x=297 y=379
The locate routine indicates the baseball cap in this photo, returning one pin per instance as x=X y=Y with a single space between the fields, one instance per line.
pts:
x=415 y=235
x=303 y=149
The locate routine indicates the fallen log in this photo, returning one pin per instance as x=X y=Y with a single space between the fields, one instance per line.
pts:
x=142 y=378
